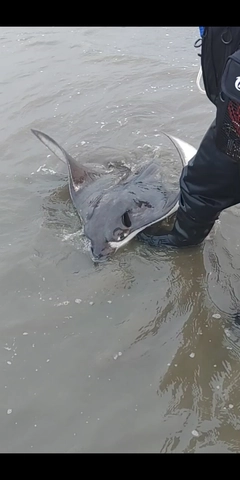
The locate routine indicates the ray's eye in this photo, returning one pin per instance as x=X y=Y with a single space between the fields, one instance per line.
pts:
x=126 y=220
x=120 y=234
x=121 y=237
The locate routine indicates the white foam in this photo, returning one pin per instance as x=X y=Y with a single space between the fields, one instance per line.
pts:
x=44 y=169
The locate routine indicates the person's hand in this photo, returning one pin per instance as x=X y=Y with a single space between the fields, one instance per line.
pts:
x=157 y=240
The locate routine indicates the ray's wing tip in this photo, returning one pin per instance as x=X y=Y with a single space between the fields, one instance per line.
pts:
x=185 y=149
x=43 y=137
x=171 y=137
x=36 y=132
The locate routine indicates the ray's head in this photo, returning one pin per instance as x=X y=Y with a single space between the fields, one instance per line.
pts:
x=115 y=221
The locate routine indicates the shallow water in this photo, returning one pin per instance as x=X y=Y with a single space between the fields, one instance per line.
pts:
x=139 y=354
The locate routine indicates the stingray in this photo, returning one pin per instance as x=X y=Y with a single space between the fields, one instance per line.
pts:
x=114 y=212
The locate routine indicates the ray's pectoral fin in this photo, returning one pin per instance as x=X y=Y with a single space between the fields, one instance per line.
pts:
x=78 y=174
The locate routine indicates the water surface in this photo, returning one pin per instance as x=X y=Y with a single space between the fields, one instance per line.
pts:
x=139 y=354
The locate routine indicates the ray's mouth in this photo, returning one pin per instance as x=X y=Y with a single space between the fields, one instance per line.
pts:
x=99 y=259
x=104 y=255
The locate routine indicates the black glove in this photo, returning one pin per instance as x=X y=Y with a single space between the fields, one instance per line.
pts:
x=158 y=240
x=186 y=231
x=209 y=184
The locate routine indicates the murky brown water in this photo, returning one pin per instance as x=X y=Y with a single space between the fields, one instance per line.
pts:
x=148 y=360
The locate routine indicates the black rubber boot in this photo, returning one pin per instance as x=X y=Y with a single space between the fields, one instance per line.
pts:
x=209 y=184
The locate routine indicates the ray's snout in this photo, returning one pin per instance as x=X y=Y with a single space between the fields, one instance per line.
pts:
x=101 y=254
